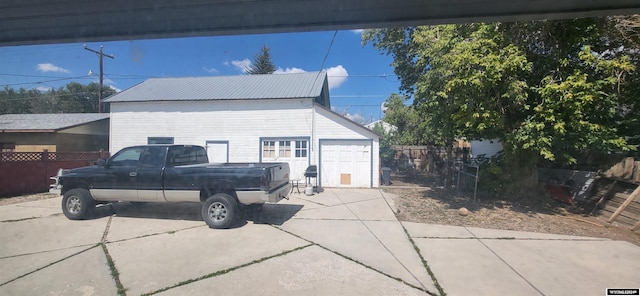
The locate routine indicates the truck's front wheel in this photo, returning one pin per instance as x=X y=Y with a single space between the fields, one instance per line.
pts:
x=220 y=210
x=77 y=204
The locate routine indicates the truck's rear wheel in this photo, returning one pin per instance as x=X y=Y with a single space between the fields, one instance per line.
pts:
x=220 y=210
x=77 y=204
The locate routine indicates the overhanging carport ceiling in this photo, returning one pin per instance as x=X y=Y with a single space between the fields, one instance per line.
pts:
x=25 y=22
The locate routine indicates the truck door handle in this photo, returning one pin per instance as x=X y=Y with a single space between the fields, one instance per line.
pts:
x=133 y=174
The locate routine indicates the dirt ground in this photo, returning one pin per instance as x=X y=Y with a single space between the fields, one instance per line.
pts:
x=422 y=199
x=25 y=198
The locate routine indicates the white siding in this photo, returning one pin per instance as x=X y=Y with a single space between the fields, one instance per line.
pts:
x=346 y=163
x=240 y=122
x=487 y=147
x=332 y=126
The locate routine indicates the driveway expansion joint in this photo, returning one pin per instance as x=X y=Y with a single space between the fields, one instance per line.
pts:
x=424 y=262
x=228 y=270
x=19 y=220
x=107 y=241
x=48 y=265
x=506 y=263
x=312 y=243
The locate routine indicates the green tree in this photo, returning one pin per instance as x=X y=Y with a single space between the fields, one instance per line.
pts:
x=72 y=98
x=546 y=89
x=584 y=86
x=411 y=129
x=79 y=98
x=387 y=140
x=17 y=102
x=262 y=63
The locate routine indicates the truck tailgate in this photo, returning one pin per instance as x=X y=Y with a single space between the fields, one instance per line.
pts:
x=279 y=174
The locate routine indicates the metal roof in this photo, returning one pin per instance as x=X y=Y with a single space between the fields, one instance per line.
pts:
x=56 y=21
x=46 y=122
x=242 y=87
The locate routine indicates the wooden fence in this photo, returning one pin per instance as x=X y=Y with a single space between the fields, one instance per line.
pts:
x=428 y=159
x=30 y=172
x=618 y=200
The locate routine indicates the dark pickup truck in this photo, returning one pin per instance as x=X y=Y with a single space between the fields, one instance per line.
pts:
x=173 y=173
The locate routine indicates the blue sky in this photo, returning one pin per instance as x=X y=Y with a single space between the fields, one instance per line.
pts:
x=360 y=77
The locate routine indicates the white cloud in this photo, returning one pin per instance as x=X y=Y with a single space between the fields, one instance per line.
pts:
x=210 y=70
x=241 y=65
x=115 y=88
x=337 y=76
x=48 y=67
x=289 y=71
x=110 y=83
x=44 y=88
x=355 y=117
x=359 y=31
x=344 y=111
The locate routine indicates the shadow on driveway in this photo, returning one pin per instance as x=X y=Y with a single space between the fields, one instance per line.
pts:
x=272 y=214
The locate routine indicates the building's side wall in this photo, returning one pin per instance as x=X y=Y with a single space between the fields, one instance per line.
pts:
x=332 y=126
x=81 y=143
x=30 y=142
x=100 y=127
x=487 y=148
x=242 y=123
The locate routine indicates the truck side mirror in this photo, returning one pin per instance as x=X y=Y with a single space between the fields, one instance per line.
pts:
x=102 y=162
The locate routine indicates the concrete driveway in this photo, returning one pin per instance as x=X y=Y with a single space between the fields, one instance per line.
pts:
x=338 y=242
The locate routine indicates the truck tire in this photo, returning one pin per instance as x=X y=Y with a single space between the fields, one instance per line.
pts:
x=77 y=204
x=220 y=211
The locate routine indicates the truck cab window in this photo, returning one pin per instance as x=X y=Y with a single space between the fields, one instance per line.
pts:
x=152 y=157
x=128 y=157
x=186 y=155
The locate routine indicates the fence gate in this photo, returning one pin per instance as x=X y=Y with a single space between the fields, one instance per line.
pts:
x=466 y=179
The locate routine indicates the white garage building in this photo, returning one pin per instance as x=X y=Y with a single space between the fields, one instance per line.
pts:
x=250 y=118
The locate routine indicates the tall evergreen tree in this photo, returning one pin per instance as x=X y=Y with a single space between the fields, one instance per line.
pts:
x=262 y=63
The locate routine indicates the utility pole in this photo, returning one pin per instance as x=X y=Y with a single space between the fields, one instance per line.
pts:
x=100 y=55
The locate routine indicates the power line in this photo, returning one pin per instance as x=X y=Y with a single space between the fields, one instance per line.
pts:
x=44 y=81
x=36 y=76
x=62 y=78
x=366 y=75
x=359 y=96
x=131 y=75
x=45 y=96
x=357 y=105
x=329 y=49
x=141 y=76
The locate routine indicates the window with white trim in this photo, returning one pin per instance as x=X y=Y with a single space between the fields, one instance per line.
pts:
x=269 y=149
x=284 y=149
x=301 y=149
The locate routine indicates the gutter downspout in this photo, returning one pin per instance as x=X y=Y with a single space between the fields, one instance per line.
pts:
x=313 y=133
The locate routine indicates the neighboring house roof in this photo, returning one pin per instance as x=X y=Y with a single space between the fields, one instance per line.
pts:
x=241 y=87
x=46 y=122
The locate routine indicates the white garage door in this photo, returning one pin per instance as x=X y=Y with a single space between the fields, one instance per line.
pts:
x=345 y=163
